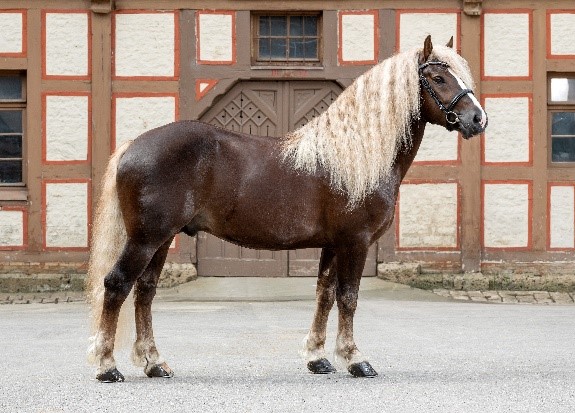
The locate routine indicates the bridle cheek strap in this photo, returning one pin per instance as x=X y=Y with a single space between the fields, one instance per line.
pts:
x=450 y=116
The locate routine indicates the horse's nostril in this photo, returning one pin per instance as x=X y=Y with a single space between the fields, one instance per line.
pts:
x=477 y=118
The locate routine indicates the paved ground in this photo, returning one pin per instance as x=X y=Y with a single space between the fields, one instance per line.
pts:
x=239 y=354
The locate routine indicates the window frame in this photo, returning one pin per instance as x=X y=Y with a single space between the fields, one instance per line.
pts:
x=556 y=107
x=17 y=104
x=288 y=63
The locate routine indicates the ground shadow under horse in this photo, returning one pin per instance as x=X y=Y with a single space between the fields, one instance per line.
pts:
x=332 y=184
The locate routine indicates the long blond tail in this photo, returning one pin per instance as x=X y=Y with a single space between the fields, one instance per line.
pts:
x=108 y=238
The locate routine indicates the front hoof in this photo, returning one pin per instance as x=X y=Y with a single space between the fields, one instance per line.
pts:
x=320 y=366
x=362 y=369
x=110 y=376
x=159 y=370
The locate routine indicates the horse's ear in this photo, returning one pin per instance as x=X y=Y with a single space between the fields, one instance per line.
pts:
x=450 y=43
x=427 y=48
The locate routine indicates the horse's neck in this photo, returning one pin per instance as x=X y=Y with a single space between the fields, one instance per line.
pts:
x=406 y=155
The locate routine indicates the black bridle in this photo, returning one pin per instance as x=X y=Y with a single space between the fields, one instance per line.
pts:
x=450 y=116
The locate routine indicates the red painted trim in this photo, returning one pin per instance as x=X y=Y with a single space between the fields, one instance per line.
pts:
x=199 y=42
x=87 y=181
x=176 y=75
x=201 y=93
x=549 y=54
x=88 y=159
x=529 y=13
x=24 y=245
x=115 y=96
x=549 y=186
x=399 y=12
x=375 y=14
x=24 y=45
x=457 y=246
x=529 y=184
x=529 y=96
x=88 y=40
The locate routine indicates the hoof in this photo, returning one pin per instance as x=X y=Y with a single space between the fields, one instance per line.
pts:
x=110 y=376
x=320 y=366
x=362 y=369
x=159 y=370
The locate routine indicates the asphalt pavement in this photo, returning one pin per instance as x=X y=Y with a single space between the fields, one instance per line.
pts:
x=233 y=344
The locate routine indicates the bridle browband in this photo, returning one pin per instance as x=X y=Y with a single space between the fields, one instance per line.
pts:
x=450 y=116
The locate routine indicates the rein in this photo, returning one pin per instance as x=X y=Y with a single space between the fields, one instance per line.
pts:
x=450 y=116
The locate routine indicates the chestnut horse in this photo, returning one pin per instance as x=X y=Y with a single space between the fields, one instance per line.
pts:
x=331 y=184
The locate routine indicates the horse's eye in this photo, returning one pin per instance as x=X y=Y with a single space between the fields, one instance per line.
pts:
x=438 y=79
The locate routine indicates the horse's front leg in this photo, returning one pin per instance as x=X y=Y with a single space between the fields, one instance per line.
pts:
x=314 y=341
x=144 y=353
x=350 y=263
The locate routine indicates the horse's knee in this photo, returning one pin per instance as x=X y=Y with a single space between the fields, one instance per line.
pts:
x=117 y=284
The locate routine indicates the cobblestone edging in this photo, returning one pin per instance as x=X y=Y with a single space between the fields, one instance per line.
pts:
x=43 y=298
x=513 y=297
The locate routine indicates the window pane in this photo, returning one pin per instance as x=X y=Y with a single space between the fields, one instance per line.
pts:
x=10 y=87
x=264 y=52
x=310 y=25
x=562 y=90
x=11 y=146
x=278 y=25
x=10 y=121
x=563 y=149
x=563 y=123
x=296 y=49
x=296 y=26
x=264 y=26
x=310 y=49
x=278 y=49
x=10 y=172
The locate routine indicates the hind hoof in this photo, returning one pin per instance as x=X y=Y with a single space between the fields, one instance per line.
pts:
x=110 y=376
x=362 y=369
x=159 y=370
x=320 y=366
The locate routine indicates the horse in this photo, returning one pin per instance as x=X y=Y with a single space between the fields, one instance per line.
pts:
x=331 y=184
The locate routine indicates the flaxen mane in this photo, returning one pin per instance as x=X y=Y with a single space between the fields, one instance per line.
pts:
x=356 y=140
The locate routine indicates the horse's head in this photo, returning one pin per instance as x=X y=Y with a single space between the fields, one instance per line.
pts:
x=445 y=98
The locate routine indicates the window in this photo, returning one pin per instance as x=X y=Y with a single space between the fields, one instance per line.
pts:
x=12 y=105
x=562 y=118
x=286 y=39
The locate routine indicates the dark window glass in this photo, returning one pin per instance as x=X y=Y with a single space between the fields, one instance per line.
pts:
x=10 y=121
x=287 y=38
x=563 y=137
x=10 y=88
x=10 y=146
x=10 y=172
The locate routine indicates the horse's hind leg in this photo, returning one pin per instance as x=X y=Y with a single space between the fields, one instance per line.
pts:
x=350 y=263
x=314 y=341
x=118 y=284
x=144 y=353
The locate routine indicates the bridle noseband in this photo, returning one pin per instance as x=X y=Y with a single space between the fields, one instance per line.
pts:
x=450 y=116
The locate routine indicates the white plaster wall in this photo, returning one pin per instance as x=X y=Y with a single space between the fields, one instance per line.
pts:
x=438 y=144
x=67 y=128
x=66 y=215
x=11 y=36
x=357 y=37
x=506 y=215
x=506 y=38
x=67 y=44
x=145 y=44
x=11 y=228
x=136 y=115
x=415 y=27
x=562 y=217
x=563 y=34
x=428 y=215
x=215 y=37
x=507 y=137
